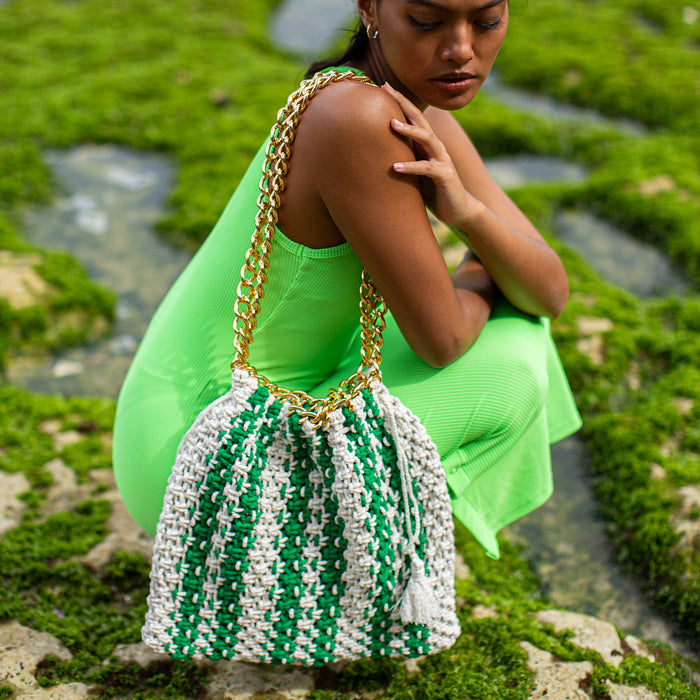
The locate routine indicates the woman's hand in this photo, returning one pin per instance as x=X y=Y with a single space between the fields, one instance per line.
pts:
x=443 y=189
x=462 y=193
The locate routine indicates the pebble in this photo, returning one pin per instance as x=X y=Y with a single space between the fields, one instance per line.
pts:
x=624 y=692
x=11 y=507
x=138 y=653
x=67 y=368
x=232 y=680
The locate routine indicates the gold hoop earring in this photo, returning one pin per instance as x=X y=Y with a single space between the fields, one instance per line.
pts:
x=372 y=32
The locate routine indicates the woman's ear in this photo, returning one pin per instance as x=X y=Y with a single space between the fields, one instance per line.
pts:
x=367 y=10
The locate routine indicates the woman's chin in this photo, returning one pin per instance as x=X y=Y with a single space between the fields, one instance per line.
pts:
x=453 y=102
x=451 y=95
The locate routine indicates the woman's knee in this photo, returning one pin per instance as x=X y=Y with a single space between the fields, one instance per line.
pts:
x=520 y=386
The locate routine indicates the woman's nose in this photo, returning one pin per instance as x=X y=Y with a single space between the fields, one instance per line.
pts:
x=457 y=46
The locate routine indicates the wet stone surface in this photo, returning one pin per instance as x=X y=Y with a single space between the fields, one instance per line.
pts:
x=623 y=260
x=516 y=171
x=548 y=107
x=307 y=27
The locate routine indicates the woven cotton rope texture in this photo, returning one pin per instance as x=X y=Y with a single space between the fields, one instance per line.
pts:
x=297 y=530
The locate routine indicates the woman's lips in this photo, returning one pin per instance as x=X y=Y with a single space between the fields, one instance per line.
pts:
x=454 y=83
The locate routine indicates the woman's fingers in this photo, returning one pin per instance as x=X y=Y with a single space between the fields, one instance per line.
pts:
x=428 y=168
x=416 y=128
x=447 y=196
x=421 y=135
x=410 y=130
x=436 y=162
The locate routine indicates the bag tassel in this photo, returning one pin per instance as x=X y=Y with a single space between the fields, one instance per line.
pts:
x=418 y=603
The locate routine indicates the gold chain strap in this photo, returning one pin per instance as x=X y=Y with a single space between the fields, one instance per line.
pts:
x=254 y=272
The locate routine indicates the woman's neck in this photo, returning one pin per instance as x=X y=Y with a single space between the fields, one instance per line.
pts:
x=375 y=67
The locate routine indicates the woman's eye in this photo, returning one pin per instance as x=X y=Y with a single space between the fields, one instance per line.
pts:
x=423 y=26
x=494 y=24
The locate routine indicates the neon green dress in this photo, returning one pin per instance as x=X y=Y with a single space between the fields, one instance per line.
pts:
x=492 y=413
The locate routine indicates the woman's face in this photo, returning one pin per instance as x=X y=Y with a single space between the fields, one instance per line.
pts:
x=437 y=52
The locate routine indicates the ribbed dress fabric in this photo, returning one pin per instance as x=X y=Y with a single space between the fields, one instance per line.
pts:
x=492 y=413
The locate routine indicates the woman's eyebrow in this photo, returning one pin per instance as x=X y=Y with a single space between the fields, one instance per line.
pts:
x=428 y=3
x=438 y=6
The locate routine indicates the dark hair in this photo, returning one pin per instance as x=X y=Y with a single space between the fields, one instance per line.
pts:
x=356 y=49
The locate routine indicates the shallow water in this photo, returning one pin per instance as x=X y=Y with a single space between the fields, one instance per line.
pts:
x=566 y=543
x=112 y=197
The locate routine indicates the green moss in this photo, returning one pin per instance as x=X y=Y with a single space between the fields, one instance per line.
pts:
x=22 y=157
x=9 y=235
x=543 y=53
x=675 y=682
x=27 y=443
x=74 y=289
x=90 y=613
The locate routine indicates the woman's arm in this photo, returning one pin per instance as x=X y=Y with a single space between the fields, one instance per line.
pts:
x=464 y=195
x=382 y=215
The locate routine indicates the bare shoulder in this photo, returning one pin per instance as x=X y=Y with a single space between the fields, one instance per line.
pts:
x=353 y=112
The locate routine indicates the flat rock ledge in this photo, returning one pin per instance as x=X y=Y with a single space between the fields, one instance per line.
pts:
x=22 y=649
x=588 y=633
x=229 y=680
x=561 y=680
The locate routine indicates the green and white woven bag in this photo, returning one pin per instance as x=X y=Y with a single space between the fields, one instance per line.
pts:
x=298 y=530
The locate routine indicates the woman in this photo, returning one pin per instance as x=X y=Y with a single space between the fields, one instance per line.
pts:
x=470 y=354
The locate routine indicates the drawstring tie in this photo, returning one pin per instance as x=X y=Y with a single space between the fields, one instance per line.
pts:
x=418 y=603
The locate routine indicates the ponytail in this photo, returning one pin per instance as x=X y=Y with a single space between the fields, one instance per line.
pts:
x=356 y=50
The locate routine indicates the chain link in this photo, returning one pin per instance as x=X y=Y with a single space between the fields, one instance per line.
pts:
x=254 y=271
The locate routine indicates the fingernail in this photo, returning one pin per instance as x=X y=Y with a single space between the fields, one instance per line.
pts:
x=398 y=166
x=396 y=122
x=387 y=86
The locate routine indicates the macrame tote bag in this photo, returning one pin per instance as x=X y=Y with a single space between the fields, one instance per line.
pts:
x=298 y=530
